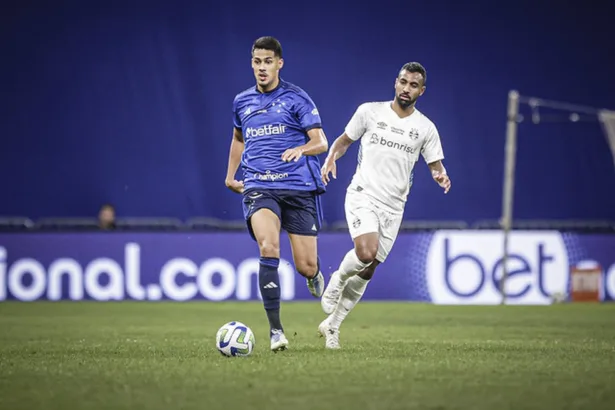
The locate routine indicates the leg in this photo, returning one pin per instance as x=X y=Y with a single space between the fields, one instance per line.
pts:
x=354 y=288
x=306 y=260
x=351 y=294
x=300 y=219
x=305 y=254
x=364 y=227
x=361 y=257
x=264 y=226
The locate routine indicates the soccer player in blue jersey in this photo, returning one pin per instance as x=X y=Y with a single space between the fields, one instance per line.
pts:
x=276 y=136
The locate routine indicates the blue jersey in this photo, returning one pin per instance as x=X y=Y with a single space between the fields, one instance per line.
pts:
x=271 y=123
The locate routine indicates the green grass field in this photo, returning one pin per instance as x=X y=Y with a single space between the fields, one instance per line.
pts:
x=394 y=356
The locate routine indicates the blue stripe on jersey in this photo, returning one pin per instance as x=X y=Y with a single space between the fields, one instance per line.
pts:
x=271 y=123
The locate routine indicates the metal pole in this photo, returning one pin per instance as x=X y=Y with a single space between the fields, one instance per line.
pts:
x=509 y=182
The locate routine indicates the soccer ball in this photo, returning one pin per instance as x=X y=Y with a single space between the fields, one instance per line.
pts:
x=235 y=339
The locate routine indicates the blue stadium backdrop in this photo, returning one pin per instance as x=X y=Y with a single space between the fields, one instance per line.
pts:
x=130 y=102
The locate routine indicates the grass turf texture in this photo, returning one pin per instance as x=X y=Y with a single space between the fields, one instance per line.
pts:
x=394 y=356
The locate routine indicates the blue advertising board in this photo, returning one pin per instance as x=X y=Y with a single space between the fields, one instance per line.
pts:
x=441 y=267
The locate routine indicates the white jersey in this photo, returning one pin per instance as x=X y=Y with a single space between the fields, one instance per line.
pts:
x=389 y=149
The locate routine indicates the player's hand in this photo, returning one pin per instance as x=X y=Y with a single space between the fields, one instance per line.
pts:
x=329 y=167
x=443 y=180
x=292 y=154
x=234 y=185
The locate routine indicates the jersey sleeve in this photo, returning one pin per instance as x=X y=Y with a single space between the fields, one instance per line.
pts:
x=357 y=125
x=236 y=118
x=432 y=147
x=307 y=112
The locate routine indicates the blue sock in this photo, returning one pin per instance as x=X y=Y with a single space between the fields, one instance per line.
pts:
x=269 y=283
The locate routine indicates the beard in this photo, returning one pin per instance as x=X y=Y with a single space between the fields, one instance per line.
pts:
x=404 y=103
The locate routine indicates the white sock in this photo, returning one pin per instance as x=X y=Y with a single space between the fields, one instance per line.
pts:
x=352 y=293
x=351 y=265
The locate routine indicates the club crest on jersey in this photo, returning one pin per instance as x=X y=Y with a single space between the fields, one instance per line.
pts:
x=414 y=133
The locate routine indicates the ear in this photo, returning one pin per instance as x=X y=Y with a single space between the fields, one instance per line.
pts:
x=422 y=90
x=280 y=63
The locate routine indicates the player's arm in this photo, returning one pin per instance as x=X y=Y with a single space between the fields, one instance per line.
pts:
x=354 y=130
x=433 y=155
x=309 y=118
x=234 y=159
x=338 y=149
x=316 y=145
x=438 y=173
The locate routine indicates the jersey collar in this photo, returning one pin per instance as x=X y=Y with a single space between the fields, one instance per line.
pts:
x=269 y=92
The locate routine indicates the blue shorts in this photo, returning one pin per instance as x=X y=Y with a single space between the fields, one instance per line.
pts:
x=299 y=212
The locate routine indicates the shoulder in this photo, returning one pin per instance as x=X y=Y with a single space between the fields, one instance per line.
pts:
x=373 y=105
x=294 y=90
x=243 y=95
x=424 y=121
x=371 y=108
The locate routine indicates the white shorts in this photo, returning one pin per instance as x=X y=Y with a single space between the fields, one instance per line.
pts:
x=363 y=216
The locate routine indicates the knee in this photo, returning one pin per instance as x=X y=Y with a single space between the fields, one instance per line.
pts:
x=367 y=273
x=269 y=248
x=366 y=252
x=307 y=267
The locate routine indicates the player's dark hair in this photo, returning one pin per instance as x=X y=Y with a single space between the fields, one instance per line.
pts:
x=268 y=43
x=415 y=67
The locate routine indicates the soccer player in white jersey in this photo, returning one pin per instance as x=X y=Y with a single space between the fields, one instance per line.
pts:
x=392 y=134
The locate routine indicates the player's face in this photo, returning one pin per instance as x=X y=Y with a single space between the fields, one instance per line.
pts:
x=408 y=88
x=266 y=68
x=106 y=215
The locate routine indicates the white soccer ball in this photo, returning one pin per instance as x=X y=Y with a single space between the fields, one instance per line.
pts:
x=235 y=339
